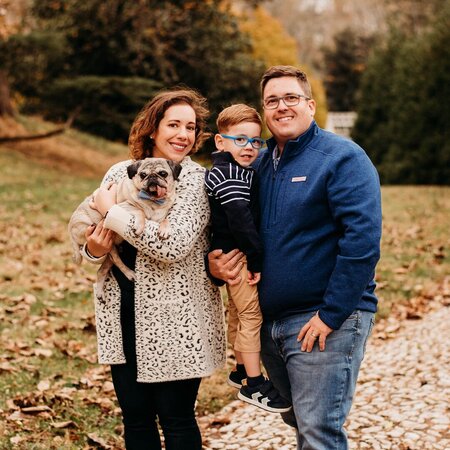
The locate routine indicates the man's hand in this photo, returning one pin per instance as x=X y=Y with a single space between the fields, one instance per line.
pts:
x=226 y=266
x=253 y=277
x=99 y=240
x=314 y=329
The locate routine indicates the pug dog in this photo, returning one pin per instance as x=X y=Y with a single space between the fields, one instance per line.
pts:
x=147 y=193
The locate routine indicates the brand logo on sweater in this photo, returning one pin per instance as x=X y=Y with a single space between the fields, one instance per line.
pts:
x=298 y=179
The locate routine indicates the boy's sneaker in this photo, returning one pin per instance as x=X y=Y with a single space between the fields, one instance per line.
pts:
x=235 y=379
x=264 y=396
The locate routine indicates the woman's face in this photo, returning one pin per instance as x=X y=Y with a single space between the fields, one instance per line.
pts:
x=175 y=135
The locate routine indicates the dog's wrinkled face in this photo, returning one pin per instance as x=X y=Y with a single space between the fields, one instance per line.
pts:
x=153 y=177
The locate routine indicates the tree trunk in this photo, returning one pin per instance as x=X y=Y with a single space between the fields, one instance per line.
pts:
x=6 y=108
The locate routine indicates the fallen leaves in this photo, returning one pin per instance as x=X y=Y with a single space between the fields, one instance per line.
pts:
x=423 y=300
x=51 y=401
x=15 y=440
x=76 y=349
x=65 y=424
x=43 y=352
x=43 y=385
x=7 y=367
x=36 y=409
x=94 y=438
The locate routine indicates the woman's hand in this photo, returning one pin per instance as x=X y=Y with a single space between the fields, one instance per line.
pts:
x=99 y=240
x=104 y=198
x=226 y=266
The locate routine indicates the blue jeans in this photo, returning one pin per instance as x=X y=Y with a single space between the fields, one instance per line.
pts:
x=319 y=384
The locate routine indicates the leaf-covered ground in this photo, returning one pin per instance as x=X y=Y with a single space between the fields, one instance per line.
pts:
x=54 y=395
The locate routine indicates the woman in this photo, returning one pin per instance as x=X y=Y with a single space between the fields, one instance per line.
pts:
x=164 y=332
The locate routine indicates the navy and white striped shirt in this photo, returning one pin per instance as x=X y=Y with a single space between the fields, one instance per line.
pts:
x=233 y=193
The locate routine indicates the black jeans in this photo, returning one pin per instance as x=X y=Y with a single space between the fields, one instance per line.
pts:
x=171 y=403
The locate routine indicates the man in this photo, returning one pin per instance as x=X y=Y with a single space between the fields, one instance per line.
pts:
x=321 y=229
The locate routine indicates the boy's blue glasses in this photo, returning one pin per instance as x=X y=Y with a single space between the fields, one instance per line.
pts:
x=242 y=141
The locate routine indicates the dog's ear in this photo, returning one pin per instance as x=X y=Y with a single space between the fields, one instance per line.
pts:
x=176 y=169
x=133 y=169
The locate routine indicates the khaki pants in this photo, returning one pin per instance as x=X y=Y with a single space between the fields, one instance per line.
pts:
x=244 y=315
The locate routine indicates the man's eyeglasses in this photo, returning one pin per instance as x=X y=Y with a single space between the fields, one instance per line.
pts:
x=242 y=141
x=288 y=100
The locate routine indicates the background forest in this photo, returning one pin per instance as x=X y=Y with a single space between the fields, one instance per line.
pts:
x=100 y=61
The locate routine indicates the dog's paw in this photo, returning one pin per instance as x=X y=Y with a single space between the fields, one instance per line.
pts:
x=98 y=291
x=163 y=234
x=130 y=274
x=139 y=228
x=164 y=229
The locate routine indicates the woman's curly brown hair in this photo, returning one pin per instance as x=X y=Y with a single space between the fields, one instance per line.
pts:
x=147 y=121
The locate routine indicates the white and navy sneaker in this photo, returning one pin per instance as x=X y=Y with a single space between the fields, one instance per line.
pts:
x=235 y=379
x=264 y=396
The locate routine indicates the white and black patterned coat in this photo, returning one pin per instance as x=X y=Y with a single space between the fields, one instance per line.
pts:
x=179 y=313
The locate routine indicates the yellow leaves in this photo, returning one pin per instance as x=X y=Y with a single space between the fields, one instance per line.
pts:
x=273 y=45
x=271 y=42
x=320 y=97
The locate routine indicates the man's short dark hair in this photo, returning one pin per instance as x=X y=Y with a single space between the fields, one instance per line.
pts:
x=286 y=71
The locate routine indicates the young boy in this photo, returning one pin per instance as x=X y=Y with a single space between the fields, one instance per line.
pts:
x=232 y=188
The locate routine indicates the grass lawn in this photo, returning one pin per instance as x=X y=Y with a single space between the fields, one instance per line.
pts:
x=47 y=334
x=415 y=260
x=54 y=395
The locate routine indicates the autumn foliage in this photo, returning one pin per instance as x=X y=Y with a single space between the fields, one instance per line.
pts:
x=274 y=46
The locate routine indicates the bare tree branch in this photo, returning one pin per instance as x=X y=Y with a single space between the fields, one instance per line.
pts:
x=47 y=134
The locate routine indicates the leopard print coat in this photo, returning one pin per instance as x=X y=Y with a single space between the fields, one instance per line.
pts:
x=179 y=312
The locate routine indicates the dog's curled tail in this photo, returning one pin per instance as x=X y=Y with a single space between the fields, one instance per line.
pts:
x=76 y=256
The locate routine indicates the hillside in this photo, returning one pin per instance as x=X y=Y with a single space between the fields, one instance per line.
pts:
x=71 y=152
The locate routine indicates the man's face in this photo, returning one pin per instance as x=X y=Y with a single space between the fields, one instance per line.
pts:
x=287 y=122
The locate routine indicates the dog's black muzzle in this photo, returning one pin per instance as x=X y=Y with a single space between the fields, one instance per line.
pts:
x=155 y=181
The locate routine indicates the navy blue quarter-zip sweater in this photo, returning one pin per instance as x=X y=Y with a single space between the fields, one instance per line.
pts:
x=320 y=226
x=234 y=199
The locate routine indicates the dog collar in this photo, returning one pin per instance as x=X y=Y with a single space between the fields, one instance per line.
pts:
x=144 y=196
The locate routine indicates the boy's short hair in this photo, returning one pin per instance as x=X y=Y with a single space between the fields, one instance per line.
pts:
x=236 y=114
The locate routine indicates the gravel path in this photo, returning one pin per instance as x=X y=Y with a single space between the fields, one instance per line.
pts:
x=401 y=403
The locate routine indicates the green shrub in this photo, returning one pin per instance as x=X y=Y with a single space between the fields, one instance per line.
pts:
x=107 y=105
